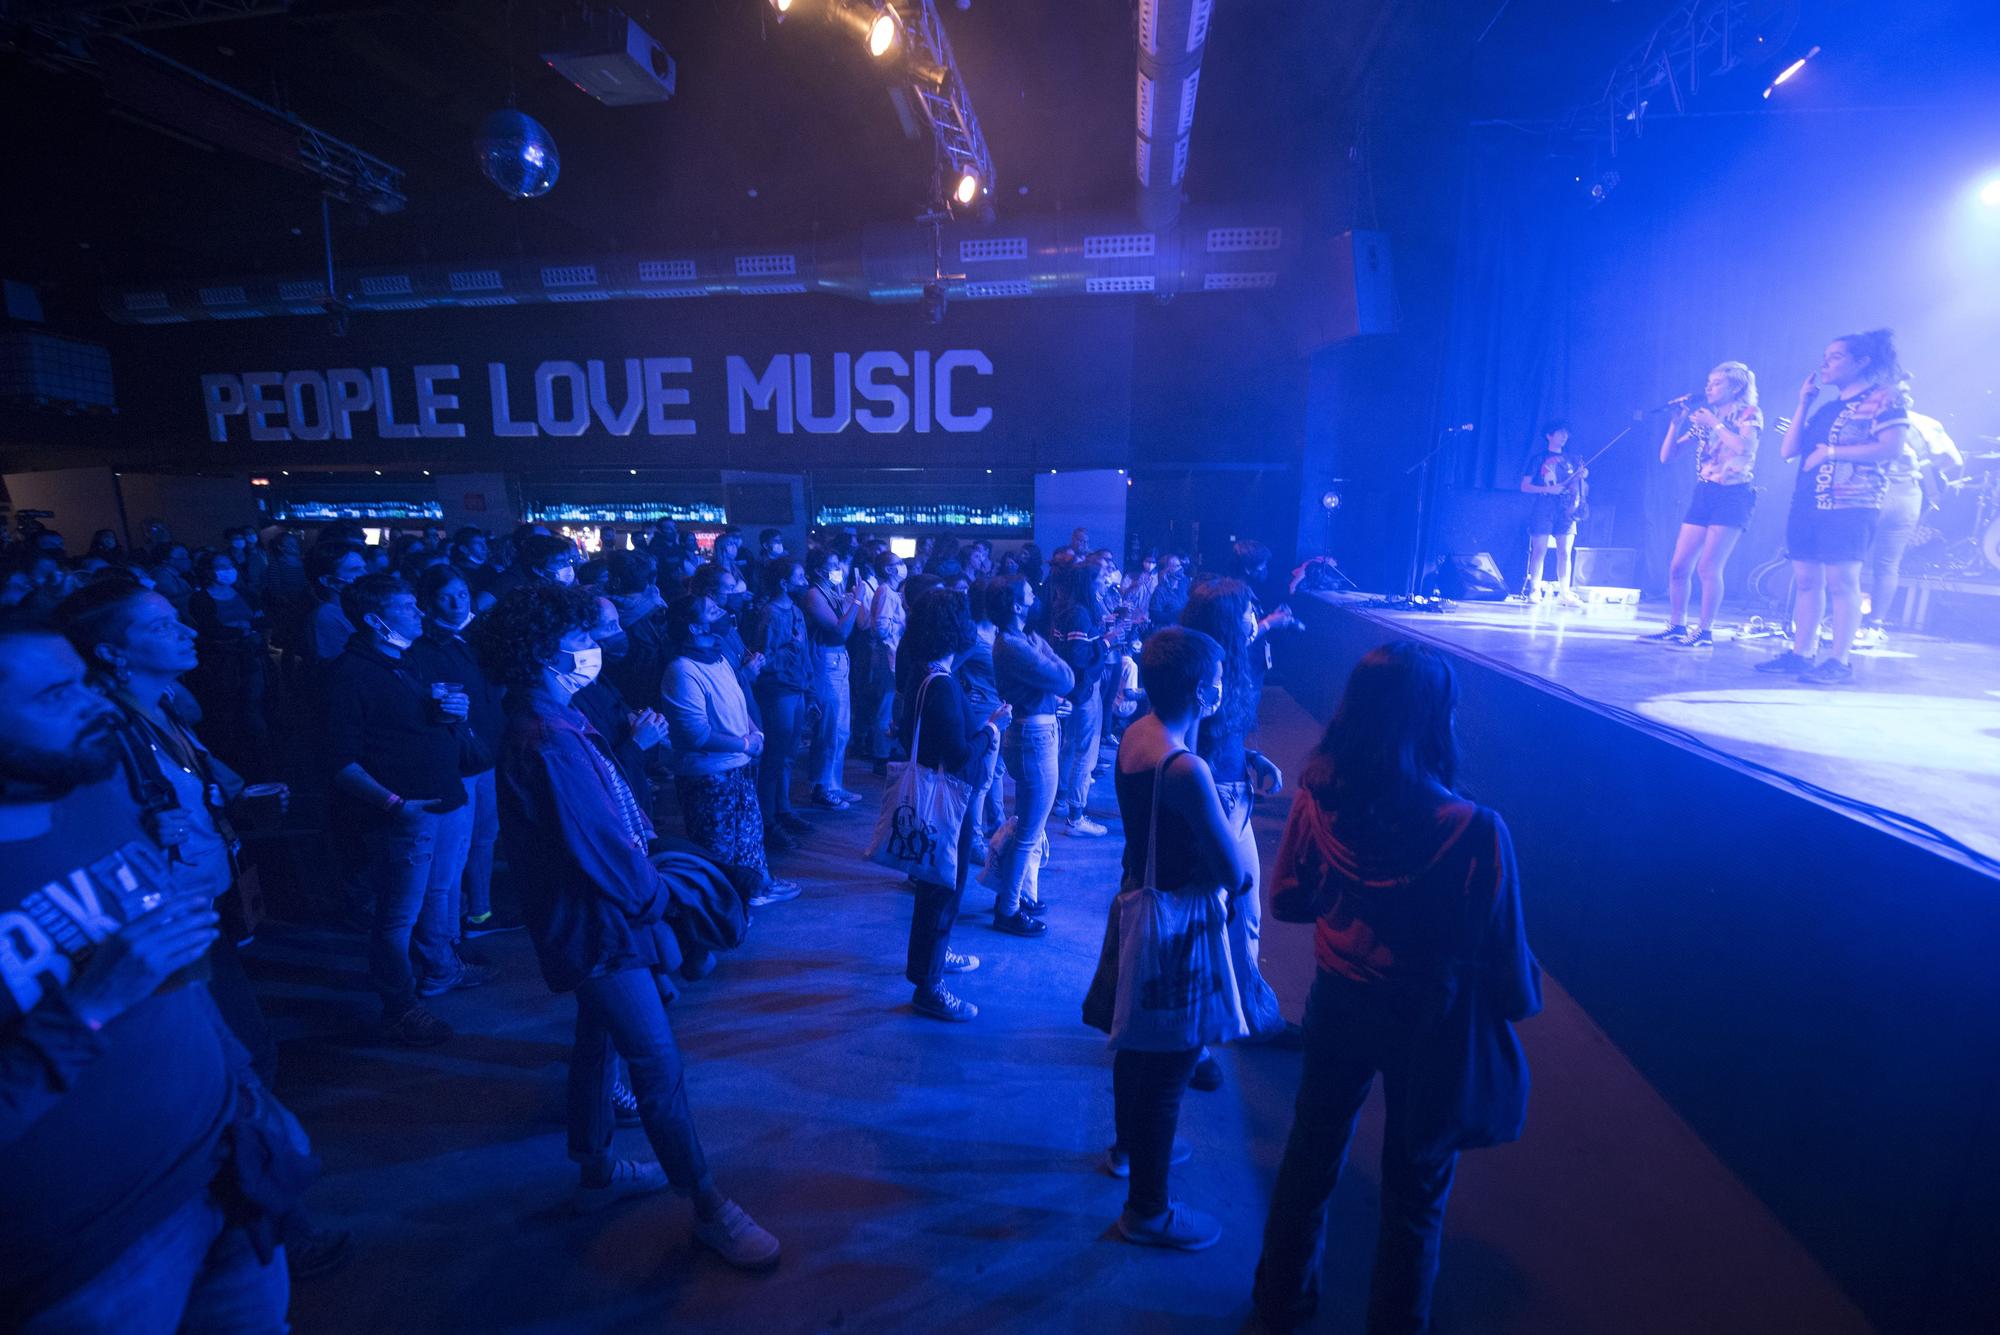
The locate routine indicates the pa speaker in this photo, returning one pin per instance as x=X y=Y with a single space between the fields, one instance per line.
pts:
x=1470 y=578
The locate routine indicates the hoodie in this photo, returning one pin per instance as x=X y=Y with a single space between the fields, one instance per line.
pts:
x=1392 y=906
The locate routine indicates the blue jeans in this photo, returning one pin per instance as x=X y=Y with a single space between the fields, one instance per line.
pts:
x=1349 y=1039
x=784 y=715
x=1030 y=751
x=626 y=1012
x=1082 y=730
x=829 y=743
x=412 y=916
x=449 y=855
x=478 y=884
x=192 y=1272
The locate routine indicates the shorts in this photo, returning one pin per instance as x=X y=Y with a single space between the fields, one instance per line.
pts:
x=1550 y=518
x=1830 y=537
x=1721 y=505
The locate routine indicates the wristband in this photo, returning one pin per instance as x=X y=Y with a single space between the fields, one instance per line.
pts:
x=395 y=804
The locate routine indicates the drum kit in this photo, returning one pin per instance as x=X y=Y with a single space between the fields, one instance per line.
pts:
x=1967 y=532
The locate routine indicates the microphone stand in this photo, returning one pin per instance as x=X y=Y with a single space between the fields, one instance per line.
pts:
x=1413 y=584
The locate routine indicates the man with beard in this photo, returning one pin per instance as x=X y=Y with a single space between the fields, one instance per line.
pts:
x=119 y=1085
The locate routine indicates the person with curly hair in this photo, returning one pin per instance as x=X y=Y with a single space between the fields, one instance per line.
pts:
x=595 y=910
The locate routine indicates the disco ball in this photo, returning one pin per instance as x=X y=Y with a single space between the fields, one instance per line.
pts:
x=517 y=154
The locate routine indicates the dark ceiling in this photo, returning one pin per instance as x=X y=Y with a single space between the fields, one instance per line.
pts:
x=778 y=131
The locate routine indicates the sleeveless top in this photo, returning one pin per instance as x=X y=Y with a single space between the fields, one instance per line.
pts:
x=1181 y=865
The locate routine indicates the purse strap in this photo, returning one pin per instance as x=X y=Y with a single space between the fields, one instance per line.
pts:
x=917 y=723
x=1153 y=824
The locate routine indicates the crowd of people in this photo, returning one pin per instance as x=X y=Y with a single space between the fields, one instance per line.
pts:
x=445 y=702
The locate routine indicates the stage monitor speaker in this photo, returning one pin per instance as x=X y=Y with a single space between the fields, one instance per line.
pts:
x=1614 y=567
x=1470 y=578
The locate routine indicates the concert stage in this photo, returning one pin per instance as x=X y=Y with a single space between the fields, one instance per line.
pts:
x=1730 y=875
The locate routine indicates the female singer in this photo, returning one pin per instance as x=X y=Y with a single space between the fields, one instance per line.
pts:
x=1725 y=431
x=1847 y=443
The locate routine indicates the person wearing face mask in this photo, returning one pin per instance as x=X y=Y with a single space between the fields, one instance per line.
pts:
x=830 y=619
x=329 y=569
x=241 y=544
x=777 y=632
x=1076 y=626
x=716 y=746
x=547 y=557
x=394 y=745
x=1032 y=678
x=463 y=864
x=633 y=586
x=632 y=734
x=596 y=905
x=887 y=617
x=232 y=681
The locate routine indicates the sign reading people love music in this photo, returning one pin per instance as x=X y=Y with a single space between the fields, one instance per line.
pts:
x=880 y=392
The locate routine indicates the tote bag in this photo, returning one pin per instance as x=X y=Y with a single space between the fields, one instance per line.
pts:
x=916 y=831
x=1174 y=987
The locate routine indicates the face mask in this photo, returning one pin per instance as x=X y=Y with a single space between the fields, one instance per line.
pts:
x=836 y=578
x=389 y=636
x=584 y=666
x=457 y=625
x=1207 y=702
x=224 y=575
x=565 y=574
x=614 y=646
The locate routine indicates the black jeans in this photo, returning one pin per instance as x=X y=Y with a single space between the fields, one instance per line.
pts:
x=1146 y=1090
x=935 y=911
x=1348 y=1039
x=627 y=1012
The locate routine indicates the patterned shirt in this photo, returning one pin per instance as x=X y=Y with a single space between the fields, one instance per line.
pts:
x=1728 y=458
x=1845 y=423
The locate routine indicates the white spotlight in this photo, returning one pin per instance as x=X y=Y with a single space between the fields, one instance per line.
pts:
x=967 y=189
x=1989 y=194
x=883 y=31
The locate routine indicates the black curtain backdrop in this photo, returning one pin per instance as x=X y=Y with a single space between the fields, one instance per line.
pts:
x=1748 y=237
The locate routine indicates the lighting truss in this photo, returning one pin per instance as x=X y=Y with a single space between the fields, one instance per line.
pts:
x=944 y=99
x=110 y=19
x=1700 y=40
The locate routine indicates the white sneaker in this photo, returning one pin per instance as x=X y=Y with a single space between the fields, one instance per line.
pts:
x=1870 y=637
x=1568 y=599
x=1535 y=594
x=1083 y=827
x=735 y=1237
x=629 y=1177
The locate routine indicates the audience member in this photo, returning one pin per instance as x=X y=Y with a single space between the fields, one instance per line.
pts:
x=595 y=909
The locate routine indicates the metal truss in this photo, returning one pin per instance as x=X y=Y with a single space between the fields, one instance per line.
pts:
x=944 y=99
x=1699 y=41
x=124 y=16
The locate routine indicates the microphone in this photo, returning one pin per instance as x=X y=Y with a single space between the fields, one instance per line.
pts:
x=1681 y=402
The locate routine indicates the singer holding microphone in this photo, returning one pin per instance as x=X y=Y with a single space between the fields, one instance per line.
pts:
x=1724 y=430
x=1845 y=446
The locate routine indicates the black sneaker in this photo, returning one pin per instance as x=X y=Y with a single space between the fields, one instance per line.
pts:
x=416 y=1028
x=1701 y=639
x=1671 y=635
x=1827 y=672
x=775 y=892
x=777 y=841
x=468 y=975
x=1787 y=663
x=793 y=823
x=1019 y=924
x=624 y=1104
x=940 y=1004
x=491 y=924
x=957 y=963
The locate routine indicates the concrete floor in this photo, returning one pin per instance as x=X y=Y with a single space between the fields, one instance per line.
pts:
x=926 y=1177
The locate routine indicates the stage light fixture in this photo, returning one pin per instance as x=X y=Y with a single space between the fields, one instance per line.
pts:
x=1989 y=194
x=884 y=30
x=1789 y=72
x=967 y=188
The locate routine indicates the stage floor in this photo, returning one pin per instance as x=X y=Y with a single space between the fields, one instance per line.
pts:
x=1918 y=731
